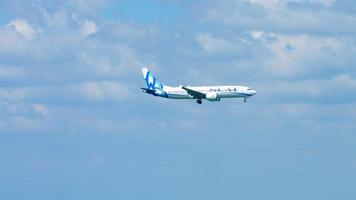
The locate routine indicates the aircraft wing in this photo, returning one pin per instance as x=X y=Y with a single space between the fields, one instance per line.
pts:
x=194 y=93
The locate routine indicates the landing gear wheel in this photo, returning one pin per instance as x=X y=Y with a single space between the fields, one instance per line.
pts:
x=245 y=100
x=199 y=101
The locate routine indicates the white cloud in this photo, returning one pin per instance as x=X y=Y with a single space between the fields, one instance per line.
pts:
x=11 y=72
x=12 y=94
x=23 y=27
x=298 y=54
x=87 y=92
x=344 y=81
x=20 y=109
x=40 y=108
x=276 y=3
x=267 y=3
x=256 y=34
x=210 y=43
x=326 y=3
x=104 y=91
x=87 y=6
x=88 y=27
x=337 y=89
x=281 y=16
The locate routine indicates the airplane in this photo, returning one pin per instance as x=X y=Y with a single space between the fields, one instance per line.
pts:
x=210 y=93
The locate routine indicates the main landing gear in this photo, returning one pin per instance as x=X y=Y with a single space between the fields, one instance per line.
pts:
x=199 y=101
x=245 y=100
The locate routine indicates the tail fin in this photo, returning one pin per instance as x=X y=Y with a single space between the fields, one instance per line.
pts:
x=151 y=81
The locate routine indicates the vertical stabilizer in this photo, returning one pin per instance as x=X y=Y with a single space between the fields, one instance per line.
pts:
x=151 y=81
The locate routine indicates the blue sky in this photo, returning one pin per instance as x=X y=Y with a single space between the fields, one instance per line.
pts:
x=74 y=124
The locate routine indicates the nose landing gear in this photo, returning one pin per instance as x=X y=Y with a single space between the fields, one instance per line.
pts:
x=245 y=99
x=199 y=101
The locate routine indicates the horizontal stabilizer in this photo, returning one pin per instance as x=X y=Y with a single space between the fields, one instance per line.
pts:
x=147 y=90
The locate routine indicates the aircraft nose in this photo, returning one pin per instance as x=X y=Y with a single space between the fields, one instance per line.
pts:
x=254 y=92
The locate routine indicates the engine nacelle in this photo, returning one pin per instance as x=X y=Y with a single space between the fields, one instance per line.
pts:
x=212 y=96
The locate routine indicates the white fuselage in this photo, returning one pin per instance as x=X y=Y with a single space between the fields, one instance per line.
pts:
x=220 y=91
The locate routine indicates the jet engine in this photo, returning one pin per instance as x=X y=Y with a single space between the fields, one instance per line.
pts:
x=212 y=96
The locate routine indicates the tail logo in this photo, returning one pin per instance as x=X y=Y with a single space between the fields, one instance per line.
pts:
x=152 y=82
x=153 y=85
